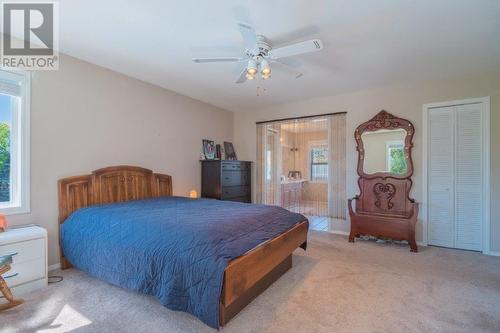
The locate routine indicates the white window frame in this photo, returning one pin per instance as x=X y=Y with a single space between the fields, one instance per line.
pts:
x=316 y=144
x=20 y=148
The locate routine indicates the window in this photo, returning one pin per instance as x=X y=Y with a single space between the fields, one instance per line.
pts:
x=319 y=162
x=14 y=142
x=396 y=162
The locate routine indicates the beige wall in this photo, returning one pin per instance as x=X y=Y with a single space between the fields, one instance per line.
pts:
x=85 y=117
x=404 y=100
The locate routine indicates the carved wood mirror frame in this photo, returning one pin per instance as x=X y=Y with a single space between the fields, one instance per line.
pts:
x=385 y=121
x=384 y=207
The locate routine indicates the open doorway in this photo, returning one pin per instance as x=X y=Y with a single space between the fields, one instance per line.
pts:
x=301 y=166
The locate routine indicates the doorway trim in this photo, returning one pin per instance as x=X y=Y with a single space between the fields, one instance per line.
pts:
x=486 y=166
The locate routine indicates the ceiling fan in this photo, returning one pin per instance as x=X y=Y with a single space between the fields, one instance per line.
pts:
x=260 y=54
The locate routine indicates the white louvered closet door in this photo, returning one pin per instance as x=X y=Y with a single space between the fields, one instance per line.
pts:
x=468 y=177
x=455 y=178
x=441 y=191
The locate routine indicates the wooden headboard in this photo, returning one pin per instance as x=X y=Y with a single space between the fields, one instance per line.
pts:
x=109 y=185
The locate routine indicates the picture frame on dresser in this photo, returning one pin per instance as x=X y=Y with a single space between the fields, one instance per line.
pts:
x=209 y=149
x=229 y=151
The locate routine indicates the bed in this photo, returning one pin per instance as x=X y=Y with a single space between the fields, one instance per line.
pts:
x=206 y=257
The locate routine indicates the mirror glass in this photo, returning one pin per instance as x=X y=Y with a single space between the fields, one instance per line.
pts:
x=384 y=151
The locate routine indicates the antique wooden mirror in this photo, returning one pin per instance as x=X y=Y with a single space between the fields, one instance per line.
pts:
x=384 y=208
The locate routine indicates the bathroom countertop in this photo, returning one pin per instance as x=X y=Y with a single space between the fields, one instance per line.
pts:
x=292 y=181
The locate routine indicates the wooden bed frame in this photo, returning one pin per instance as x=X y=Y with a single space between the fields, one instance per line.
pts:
x=245 y=277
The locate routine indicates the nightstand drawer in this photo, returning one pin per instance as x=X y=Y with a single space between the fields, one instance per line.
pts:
x=25 y=272
x=26 y=250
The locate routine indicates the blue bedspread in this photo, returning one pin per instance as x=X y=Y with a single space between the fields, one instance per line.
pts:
x=173 y=248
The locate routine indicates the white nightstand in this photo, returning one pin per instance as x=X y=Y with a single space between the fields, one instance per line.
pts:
x=29 y=265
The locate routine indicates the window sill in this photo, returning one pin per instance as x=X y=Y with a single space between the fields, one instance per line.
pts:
x=318 y=181
x=14 y=210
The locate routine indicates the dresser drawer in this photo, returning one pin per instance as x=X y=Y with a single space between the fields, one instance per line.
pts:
x=25 y=272
x=240 y=199
x=235 y=178
x=235 y=191
x=234 y=166
x=26 y=250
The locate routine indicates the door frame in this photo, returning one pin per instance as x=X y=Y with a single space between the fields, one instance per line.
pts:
x=486 y=225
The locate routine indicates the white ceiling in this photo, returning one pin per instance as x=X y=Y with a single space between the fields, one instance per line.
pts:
x=366 y=43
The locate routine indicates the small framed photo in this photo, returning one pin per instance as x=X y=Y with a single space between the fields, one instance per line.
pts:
x=209 y=149
x=229 y=151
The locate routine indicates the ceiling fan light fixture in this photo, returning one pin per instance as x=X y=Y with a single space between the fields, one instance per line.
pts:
x=266 y=76
x=251 y=67
x=259 y=54
x=265 y=69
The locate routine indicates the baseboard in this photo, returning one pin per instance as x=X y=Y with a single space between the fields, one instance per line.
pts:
x=54 y=267
x=346 y=233
x=489 y=253
x=339 y=232
x=336 y=232
x=26 y=288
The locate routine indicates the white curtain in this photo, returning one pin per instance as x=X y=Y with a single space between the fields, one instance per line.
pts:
x=269 y=159
x=337 y=204
x=301 y=165
x=260 y=167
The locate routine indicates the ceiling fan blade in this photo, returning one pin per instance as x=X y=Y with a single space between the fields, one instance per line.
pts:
x=222 y=59
x=242 y=78
x=249 y=37
x=289 y=69
x=312 y=45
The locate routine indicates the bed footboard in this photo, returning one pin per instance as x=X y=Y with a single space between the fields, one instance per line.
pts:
x=249 y=275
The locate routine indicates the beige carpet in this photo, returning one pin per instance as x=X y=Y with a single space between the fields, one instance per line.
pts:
x=333 y=287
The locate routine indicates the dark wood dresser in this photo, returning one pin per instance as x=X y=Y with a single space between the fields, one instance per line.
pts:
x=226 y=180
